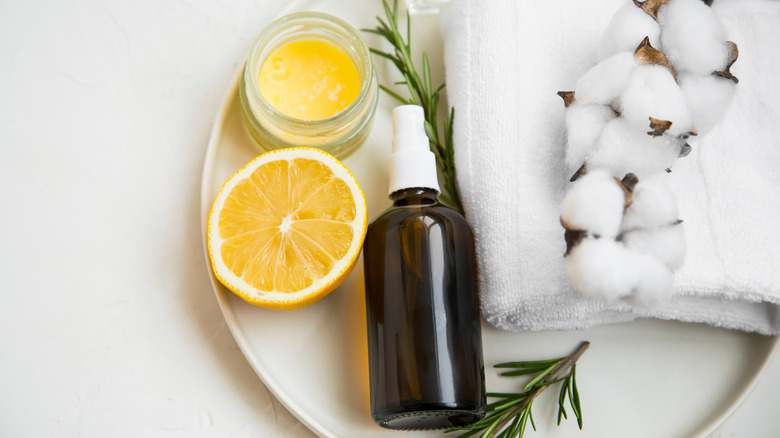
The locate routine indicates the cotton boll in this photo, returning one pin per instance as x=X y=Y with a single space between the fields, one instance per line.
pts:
x=666 y=243
x=601 y=268
x=693 y=37
x=655 y=282
x=624 y=148
x=652 y=205
x=594 y=203
x=606 y=80
x=584 y=123
x=629 y=26
x=708 y=98
x=653 y=92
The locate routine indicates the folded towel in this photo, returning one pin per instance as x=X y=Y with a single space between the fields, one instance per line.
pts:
x=505 y=60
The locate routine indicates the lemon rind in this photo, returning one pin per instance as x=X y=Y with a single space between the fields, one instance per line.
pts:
x=321 y=287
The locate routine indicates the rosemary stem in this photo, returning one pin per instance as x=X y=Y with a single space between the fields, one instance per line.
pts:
x=568 y=363
x=555 y=374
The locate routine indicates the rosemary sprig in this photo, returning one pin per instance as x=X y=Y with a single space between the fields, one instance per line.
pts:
x=509 y=415
x=422 y=93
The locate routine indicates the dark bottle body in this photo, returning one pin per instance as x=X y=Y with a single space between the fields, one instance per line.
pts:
x=424 y=337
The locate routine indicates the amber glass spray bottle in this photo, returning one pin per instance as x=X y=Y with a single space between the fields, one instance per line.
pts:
x=424 y=338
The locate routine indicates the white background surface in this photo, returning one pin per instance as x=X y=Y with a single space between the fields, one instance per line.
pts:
x=109 y=326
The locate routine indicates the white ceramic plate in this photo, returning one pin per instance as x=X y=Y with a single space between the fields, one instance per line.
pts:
x=643 y=379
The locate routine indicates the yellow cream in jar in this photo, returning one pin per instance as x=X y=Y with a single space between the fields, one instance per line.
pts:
x=309 y=79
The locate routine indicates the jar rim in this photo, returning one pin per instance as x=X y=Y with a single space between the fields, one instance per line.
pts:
x=356 y=41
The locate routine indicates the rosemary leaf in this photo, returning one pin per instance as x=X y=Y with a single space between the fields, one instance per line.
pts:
x=552 y=382
x=538 y=379
x=434 y=106
x=571 y=400
x=506 y=394
x=408 y=31
x=412 y=90
x=505 y=404
x=447 y=200
x=385 y=28
x=522 y=372
x=426 y=75
x=524 y=420
x=382 y=54
x=495 y=424
x=430 y=131
x=562 y=411
x=562 y=399
x=576 y=396
x=541 y=364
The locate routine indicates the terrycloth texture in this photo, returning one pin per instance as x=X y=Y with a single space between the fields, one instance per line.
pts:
x=505 y=61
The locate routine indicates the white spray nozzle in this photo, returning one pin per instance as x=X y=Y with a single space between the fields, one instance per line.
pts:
x=412 y=164
x=409 y=128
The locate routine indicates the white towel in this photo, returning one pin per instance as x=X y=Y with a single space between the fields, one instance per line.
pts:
x=505 y=60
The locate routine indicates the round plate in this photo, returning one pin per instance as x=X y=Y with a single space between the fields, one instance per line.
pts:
x=648 y=378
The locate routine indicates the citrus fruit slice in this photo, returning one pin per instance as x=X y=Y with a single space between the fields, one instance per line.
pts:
x=287 y=228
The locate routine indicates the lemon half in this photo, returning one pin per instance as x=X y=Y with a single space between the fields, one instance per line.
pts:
x=287 y=228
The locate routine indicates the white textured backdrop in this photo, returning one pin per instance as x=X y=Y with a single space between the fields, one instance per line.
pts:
x=108 y=324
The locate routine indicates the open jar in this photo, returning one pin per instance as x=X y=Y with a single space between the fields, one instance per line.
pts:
x=299 y=87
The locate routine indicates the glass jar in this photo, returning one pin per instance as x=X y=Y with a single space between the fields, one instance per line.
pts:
x=339 y=134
